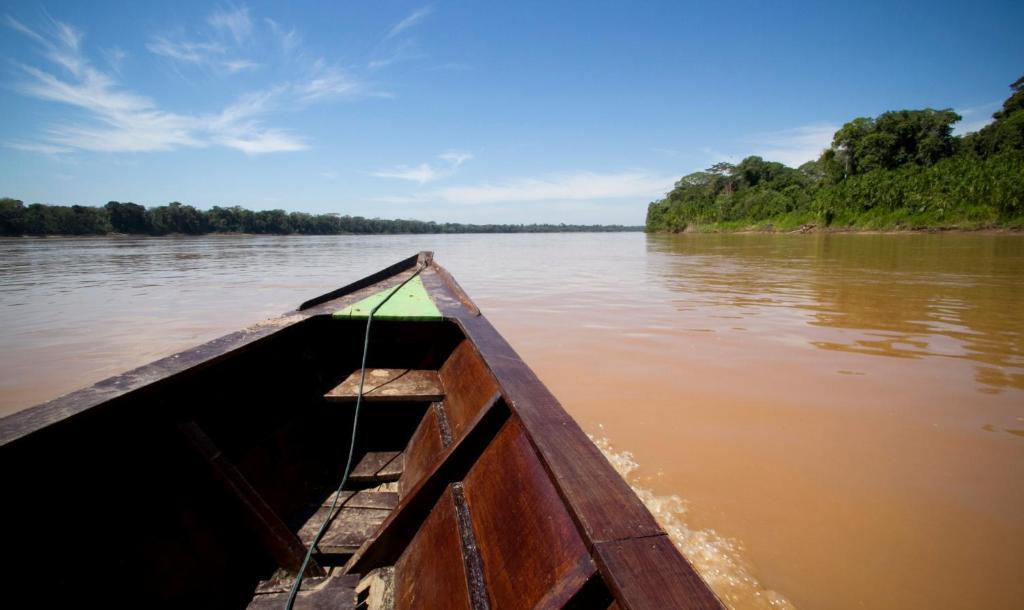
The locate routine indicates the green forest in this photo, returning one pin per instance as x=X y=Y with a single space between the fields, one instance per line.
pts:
x=901 y=170
x=176 y=218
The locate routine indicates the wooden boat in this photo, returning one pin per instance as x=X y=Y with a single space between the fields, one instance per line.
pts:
x=200 y=480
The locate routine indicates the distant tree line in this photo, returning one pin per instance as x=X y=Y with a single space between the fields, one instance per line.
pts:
x=902 y=169
x=176 y=218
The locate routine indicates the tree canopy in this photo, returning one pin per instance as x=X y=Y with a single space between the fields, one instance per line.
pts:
x=901 y=168
x=177 y=218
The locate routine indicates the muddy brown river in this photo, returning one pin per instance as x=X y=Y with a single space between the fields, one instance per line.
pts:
x=820 y=421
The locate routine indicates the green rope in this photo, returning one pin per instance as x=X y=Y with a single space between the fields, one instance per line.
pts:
x=351 y=447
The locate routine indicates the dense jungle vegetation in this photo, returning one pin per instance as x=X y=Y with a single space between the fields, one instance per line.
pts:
x=176 y=218
x=900 y=170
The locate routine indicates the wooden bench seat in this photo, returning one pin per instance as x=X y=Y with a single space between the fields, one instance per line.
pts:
x=392 y=385
x=356 y=517
x=337 y=592
x=378 y=467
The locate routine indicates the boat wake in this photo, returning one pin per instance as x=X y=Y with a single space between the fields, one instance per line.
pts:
x=718 y=560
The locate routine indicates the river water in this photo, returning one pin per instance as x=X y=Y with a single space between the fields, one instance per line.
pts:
x=820 y=421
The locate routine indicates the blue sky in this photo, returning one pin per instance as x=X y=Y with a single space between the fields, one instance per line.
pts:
x=462 y=111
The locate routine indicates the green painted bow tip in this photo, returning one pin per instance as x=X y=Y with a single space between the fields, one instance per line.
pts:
x=411 y=302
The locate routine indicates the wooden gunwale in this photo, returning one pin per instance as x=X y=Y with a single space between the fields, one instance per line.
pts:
x=107 y=392
x=615 y=518
x=635 y=558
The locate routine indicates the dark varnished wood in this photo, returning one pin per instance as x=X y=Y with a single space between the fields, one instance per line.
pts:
x=423 y=450
x=369 y=280
x=528 y=542
x=600 y=502
x=577 y=466
x=279 y=541
x=280 y=449
x=650 y=573
x=396 y=385
x=384 y=547
x=431 y=572
x=456 y=289
x=158 y=376
x=468 y=385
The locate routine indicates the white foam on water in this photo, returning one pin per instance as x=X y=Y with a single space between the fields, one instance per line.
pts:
x=717 y=559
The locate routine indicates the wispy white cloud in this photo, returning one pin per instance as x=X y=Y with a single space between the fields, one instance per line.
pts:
x=404 y=51
x=422 y=173
x=218 y=50
x=37 y=147
x=61 y=47
x=455 y=157
x=576 y=186
x=975 y=117
x=190 y=52
x=327 y=83
x=115 y=57
x=121 y=120
x=417 y=16
x=238 y=65
x=793 y=147
x=582 y=188
x=256 y=140
x=289 y=39
x=23 y=29
x=235 y=21
x=426 y=172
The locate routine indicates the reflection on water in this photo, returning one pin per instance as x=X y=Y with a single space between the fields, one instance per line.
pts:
x=841 y=415
x=901 y=296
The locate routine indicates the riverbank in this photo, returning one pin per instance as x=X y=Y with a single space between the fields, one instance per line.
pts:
x=788 y=226
x=902 y=170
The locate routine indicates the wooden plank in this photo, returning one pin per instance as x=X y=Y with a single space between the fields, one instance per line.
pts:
x=366 y=498
x=600 y=502
x=347 y=531
x=468 y=385
x=528 y=542
x=456 y=289
x=284 y=546
x=389 y=385
x=423 y=450
x=378 y=467
x=430 y=573
x=576 y=589
x=369 y=280
x=599 y=499
x=283 y=584
x=357 y=515
x=392 y=471
x=384 y=547
x=650 y=573
x=335 y=592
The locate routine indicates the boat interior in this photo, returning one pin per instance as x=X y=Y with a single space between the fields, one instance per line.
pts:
x=205 y=488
